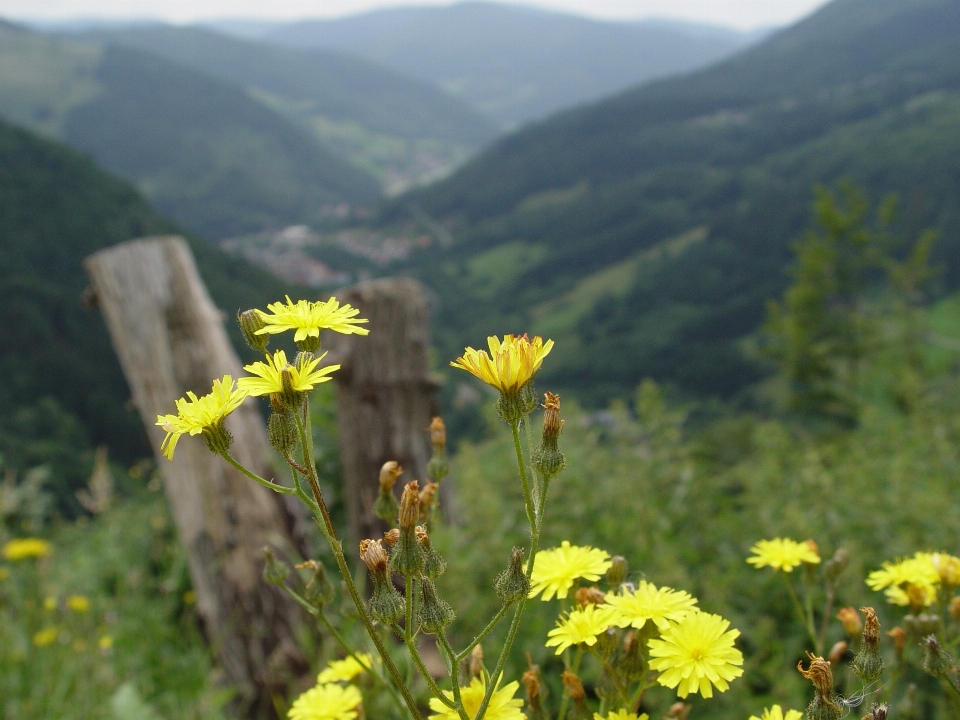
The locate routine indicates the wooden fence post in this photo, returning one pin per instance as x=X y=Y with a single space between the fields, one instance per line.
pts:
x=170 y=338
x=385 y=393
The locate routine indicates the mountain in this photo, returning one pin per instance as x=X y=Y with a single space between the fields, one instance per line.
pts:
x=646 y=233
x=63 y=391
x=406 y=127
x=205 y=153
x=515 y=63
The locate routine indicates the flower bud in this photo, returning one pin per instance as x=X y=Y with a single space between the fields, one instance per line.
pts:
x=836 y=565
x=607 y=642
x=386 y=605
x=679 y=711
x=389 y=473
x=433 y=564
x=386 y=506
x=408 y=557
x=937 y=661
x=274 y=571
x=823 y=706
x=837 y=652
x=427 y=499
x=250 y=322
x=533 y=689
x=877 y=712
x=309 y=343
x=547 y=458
x=617 y=572
x=409 y=506
x=476 y=661
x=513 y=585
x=319 y=591
x=631 y=662
x=435 y=612
x=282 y=432
x=391 y=537
x=850 y=620
x=589 y=596
x=574 y=687
x=217 y=438
x=899 y=637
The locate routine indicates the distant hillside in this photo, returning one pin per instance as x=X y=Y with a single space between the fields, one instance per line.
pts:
x=204 y=152
x=516 y=64
x=645 y=233
x=395 y=127
x=63 y=391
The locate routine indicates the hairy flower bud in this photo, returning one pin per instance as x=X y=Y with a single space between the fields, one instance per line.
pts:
x=249 y=322
x=274 y=571
x=476 y=661
x=309 y=344
x=438 y=468
x=574 y=687
x=513 y=585
x=435 y=612
x=391 y=537
x=850 y=620
x=427 y=499
x=386 y=605
x=877 y=712
x=319 y=591
x=868 y=664
x=217 y=438
x=409 y=506
x=617 y=572
x=433 y=564
x=282 y=432
x=824 y=705
x=386 y=506
x=408 y=556
x=631 y=662
x=837 y=652
x=547 y=458
x=533 y=689
x=899 y=637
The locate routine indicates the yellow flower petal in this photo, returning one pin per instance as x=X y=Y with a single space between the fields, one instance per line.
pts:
x=194 y=415
x=696 y=654
x=555 y=570
x=503 y=705
x=309 y=318
x=510 y=364
x=782 y=554
x=268 y=376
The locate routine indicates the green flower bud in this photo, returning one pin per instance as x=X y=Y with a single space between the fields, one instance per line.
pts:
x=630 y=661
x=513 y=585
x=547 y=458
x=249 y=322
x=282 y=432
x=435 y=612
x=274 y=571
x=386 y=605
x=319 y=591
x=868 y=664
x=433 y=564
x=217 y=438
x=617 y=572
x=309 y=343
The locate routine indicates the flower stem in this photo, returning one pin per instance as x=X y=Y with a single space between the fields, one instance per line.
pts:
x=804 y=617
x=527 y=498
x=574 y=668
x=418 y=661
x=454 y=675
x=483 y=633
x=253 y=476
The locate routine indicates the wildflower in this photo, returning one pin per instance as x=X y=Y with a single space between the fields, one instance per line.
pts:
x=24 y=548
x=503 y=705
x=947 y=567
x=327 y=702
x=189 y=597
x=850 y=620
x=696 y=653
x=269 y=375
x=776 y=713
x=824 y=703
x=46 y=637
x=510 y=365
x=911 y=581
x=647 y=602
x=555 y=570
x=202 y=415
x=513 y=585
x=621 y=715
x=345 y=670
x=783 y=554
x=78 y=603
x=105 y=643
x=581 y=626
x=309 y=318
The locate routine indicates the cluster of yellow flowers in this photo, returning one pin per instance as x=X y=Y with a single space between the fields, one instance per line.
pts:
x=915 y=581
x=329 y=699
x=26 y=548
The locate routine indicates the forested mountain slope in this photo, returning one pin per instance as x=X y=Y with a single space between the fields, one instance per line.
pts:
x=648 y=231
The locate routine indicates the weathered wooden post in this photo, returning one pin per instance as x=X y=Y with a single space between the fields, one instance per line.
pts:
x=385 y=393
x=170 y=338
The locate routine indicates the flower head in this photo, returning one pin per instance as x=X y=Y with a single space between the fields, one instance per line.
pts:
x=648 y=602
x=911 y=581
x=503 y=705
x=327 y=702
x=776 y=713
x=309 y=318
x=194 y=415
x=24 y=548
x=555 y=570
x=620 y=715
x=510 y=364
x=78 y=603
x=345 y=670
x=45 y=637
x=581 y=626
x=696 y=653
x=947 y=567
x=783 y=554
x=269 y=375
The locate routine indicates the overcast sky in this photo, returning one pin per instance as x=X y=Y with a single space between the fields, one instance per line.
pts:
x=736 y=13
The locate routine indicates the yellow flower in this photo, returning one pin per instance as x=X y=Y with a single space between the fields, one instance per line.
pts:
x=510 y=365
x=947 y=567
x=24 y=548
x=503 y=705
x=194 y=415
x=696 y=653
x=50 y=603
x=648 y=602
x=78 y=603
x=581 y=626
x=105 y=643
x=45 y=637
x=269 y=379
x=776 y=713
x=783 y=554
x=555 y=570
x=620 y=715
x=911 y=581
x=327 y=702
x=309 y=318
x=346 y=669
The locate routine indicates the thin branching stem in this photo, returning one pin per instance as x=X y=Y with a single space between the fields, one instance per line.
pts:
x=253 y=476
x=418 y=661
x=483 y=633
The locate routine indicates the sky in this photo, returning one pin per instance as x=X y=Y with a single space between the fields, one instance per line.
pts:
x=744 y=14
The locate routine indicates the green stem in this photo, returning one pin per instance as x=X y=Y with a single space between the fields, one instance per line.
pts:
x=418 y=661
x=483 y=633
x=454 y=674
x=827 y=611
x=535 y=480
x=800 y=611
x=253 y=476
x=574 y=668
x=624 y=693
x=408 y=620
x=527 y=499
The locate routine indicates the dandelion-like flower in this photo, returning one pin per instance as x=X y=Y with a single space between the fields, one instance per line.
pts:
x=783 y=554
x=78 y=603
x=269 y=375
x=911 y=581
x=25 y=548
x=620 y=715
x=327 y=702
x=776 y=713
x=196 y=415
x=510 y=364
x=45 y=637
x=648 y=602
x=697 y=653
x=309 y=318
x=555 y=570
x=503 y=705
x=583 y=625
x=347 y=669
x=947 y=567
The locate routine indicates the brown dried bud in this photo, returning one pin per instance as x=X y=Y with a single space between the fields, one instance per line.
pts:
x=547 y=458
x=574 y=686
x=438 y=433
x=422 y=537
x=476 y=661
x=391 y=537
x=531 y=684
x=427 y=497
x=552 y=424
x=373 y=555
x=389 y=473
x=851 y=622
x=590 y=596
x=955 y=609
x=837 y=652
x=871 y=628
x=679 y=711
x=410 y=506
x=821 y=675
x=899 y=637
